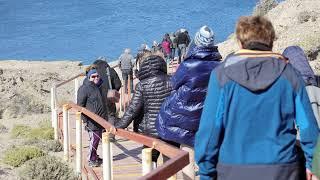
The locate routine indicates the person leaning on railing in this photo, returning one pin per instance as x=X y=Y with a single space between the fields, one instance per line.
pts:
x=255 y=101
x=90 y=97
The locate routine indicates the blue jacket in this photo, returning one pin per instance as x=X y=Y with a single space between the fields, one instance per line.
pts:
x=247 y=127
x=179 y=115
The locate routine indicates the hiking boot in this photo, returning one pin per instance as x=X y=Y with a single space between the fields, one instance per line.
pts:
x=94 y=163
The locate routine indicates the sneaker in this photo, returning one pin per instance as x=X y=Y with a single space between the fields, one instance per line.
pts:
x=99 y=160
x=112 y=139
x=94 y=164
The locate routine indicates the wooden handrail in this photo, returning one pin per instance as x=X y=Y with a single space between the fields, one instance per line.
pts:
x=179 y=158
x=65 y=82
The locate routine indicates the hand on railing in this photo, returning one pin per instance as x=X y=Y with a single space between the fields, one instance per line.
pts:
x=113 y=130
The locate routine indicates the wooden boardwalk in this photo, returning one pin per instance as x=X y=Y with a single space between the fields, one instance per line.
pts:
x=127 y=162
x=126 y=154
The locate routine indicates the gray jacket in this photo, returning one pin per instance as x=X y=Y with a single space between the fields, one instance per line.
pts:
x=125 y=61
x=314 y=97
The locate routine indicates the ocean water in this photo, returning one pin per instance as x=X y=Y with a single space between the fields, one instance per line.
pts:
x=83 y=30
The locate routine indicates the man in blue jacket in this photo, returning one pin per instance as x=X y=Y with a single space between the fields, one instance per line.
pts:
x=254 y=103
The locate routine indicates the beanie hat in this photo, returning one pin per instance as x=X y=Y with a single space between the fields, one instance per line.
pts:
x=204 y=37
x=92 y=71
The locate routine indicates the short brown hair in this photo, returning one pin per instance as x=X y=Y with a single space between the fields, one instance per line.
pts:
x=255 y=29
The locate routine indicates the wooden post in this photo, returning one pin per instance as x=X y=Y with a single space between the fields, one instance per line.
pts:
x=76 y=87
x=65 y=132
x=107 y=157
x=55 y=123
x=174 y=177
x=78 y=144
x=129 y=88
x=146 y=161
x=124 y=100
x=53 y=103
x=121 y=98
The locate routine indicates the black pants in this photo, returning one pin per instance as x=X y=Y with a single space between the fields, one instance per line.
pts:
x=156 y=153
x=125 y=76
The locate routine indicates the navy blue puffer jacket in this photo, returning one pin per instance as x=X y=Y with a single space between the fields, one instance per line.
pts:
x=180 y=114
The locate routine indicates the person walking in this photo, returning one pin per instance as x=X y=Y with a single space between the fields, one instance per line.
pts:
x=111 y=81
x=125 y=64
x=166 y=44
x=150 y=92
x=299 y=61
x=90 y=97
x=180 y=114
x=183 y=41
x=174 y=45
x=255 y=101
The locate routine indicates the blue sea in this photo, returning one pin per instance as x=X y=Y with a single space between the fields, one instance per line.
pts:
x=83 y=30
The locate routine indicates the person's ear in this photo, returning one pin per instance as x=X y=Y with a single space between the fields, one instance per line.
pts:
x=239 y=44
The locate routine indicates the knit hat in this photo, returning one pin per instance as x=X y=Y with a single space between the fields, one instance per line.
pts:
x=204 y=37
x=92 y=71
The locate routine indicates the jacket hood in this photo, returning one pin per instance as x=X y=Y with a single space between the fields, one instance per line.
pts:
x=255 y=70
x=152 y=66
x=299 y=61
x=202 y=52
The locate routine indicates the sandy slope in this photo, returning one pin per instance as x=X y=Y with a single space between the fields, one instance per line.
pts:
x=296 y=22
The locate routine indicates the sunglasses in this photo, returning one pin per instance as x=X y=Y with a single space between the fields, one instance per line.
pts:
x=94 y=76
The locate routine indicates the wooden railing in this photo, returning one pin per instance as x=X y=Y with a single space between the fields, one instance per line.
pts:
x=178 y=158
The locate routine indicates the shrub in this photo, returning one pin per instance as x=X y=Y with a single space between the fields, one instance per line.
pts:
x=264 y=6
x=41 y=133
x=3 y=129
x=45 y=124
x=46 y=145
x=306 y=16
x=46 y=167
x=19 y=155
x=20 y=131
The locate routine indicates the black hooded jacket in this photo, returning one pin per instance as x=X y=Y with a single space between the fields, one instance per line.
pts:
x=90 y=97
x=115 y=82
x=151 y=91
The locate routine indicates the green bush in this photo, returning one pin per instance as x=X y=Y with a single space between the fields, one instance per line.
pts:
x=41 y=133
x=46 y=167
x=46 y=145
x=19 y=155
x=20 y=131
